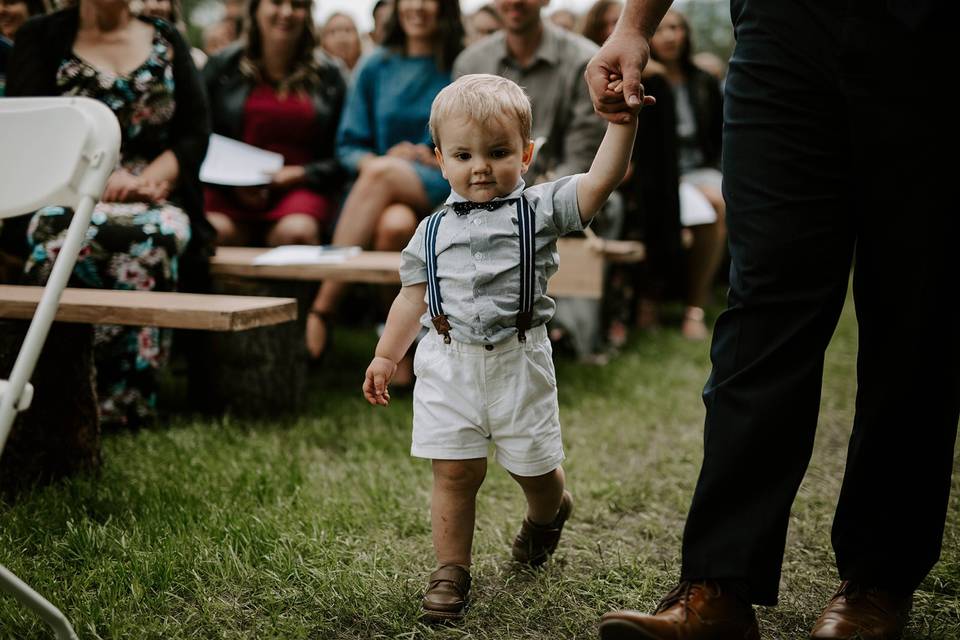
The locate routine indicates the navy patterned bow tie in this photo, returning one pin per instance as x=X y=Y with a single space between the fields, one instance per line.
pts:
x=465 y=207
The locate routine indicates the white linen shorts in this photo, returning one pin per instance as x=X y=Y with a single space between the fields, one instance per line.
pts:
x=469 y=396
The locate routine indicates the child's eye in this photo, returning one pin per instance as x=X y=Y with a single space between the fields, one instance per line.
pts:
x=500 y=153
x=462 y=156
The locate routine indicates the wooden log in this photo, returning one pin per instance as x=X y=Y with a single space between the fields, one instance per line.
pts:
x=260 y=373
x=59 y=435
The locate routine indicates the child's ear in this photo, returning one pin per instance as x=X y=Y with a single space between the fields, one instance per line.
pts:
x=439 y=155
x=527 y=157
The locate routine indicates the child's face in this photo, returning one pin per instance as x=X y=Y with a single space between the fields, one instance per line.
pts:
x=482 y=161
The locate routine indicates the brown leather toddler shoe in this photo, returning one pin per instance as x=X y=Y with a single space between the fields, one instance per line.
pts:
x=535 y=543
x=863 y=613
x=692 y=611
x=447 y=596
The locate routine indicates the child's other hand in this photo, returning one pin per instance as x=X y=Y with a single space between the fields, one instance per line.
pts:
x=375 y=384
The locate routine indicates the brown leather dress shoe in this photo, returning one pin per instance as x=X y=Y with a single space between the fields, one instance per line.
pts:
x=692 y=611
x=535 y=543
x=447 y=595
x=863 y=613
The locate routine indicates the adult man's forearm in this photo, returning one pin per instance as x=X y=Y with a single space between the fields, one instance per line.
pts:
x=643 y=16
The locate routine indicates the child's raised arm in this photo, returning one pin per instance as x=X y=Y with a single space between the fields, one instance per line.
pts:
x=403 y=324
x=608 y=168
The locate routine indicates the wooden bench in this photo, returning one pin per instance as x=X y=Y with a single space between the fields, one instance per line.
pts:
x=60 y=434
x=580 y=274
x=152 y=308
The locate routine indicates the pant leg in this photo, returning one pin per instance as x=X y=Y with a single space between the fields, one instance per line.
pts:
x=787 y=186
x=889 y=522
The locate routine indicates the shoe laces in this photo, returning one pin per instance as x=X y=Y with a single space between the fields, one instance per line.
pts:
x=854 y=591
x=681 y=595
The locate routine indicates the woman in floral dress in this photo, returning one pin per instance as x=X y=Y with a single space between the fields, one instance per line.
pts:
x=149 y=225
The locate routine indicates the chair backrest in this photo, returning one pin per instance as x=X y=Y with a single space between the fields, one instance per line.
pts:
x=55 y=150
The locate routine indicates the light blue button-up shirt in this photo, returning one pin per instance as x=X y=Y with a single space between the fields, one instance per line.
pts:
x=478 y=261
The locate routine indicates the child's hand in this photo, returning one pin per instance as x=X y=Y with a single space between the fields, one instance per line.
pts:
x=615 y=85
x=378 y=377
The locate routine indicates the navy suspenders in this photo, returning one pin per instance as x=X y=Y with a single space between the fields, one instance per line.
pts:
x=527 y=272
x=434 y=302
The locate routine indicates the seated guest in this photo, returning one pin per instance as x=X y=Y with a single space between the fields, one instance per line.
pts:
x=218 y=36
x=148 y=232
x=170 y=11
x=565 y=19
x=484 y=22
x=382 y=10
x=340 y=38
x=548 y=62
x=13 y=13
x=651 y=197
x=272 y=90
x=600 y=19
x=699 y=123
x=384 y=139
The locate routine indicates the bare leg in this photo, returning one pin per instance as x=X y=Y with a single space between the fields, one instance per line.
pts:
x=229 y=233
x=709 y=242
x=296 y=228
x=453 y=508
x=383 y=182
x=543 y=494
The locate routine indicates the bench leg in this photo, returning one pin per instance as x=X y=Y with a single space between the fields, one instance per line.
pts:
x=259 y=373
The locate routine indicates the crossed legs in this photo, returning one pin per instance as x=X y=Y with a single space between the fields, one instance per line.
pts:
x=380 y=212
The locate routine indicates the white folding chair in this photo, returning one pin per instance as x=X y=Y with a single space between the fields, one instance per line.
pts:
x=56 y=151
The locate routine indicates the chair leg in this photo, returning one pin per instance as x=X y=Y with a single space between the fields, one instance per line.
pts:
x=33 y=600
x=20 y=376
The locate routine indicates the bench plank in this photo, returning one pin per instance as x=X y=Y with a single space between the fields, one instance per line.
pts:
x=580 y=274
x=152 y=308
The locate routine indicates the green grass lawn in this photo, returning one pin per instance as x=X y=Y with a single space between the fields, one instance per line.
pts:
x=319 y=528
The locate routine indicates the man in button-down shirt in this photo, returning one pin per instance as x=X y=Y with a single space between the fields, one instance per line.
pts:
x=548 y=63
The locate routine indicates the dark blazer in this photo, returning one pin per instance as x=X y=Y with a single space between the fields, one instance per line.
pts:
x=42 y=44
x=707 y=103
x=228 y=89
x=652 y=195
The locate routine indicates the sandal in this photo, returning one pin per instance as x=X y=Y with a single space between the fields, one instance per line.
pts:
x=447 y=596
x=693 y=327
x=323 y=317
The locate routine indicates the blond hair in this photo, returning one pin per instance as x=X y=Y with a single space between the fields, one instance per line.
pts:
x=482 y=98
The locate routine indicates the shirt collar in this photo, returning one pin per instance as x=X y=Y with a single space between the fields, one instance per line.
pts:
x=456 y=197
x=548 y=51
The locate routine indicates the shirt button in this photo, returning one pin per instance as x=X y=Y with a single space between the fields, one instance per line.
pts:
x=488 y=347
x=478 y=255
x=476 y=221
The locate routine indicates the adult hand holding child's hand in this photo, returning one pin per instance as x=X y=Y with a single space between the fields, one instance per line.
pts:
x=377 y=380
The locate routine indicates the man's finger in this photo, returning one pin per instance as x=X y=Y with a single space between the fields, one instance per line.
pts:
x=632 y=89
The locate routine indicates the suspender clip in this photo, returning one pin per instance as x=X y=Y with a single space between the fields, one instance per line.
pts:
x=524 y=318
x=442 y=326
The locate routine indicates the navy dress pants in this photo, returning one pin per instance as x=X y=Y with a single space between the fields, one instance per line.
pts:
x=835 y=130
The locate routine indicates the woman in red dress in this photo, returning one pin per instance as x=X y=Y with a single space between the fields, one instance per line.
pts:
x=274 y=91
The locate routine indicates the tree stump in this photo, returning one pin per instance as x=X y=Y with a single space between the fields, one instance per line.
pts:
x=260 y=372
x=59 y=435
